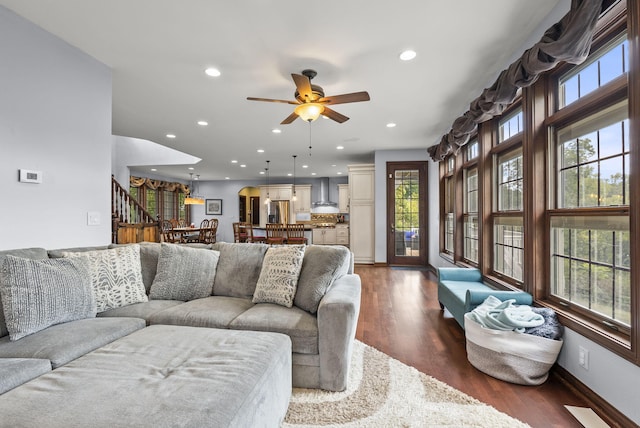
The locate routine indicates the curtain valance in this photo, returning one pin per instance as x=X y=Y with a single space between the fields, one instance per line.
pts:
x=158 y=184
x=568 y=40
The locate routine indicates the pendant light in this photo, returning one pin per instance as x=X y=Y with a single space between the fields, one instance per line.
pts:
x=268 y=200
x=294 y=197
x=192 y=198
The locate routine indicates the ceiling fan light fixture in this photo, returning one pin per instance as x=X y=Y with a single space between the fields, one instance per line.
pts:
x=309 y=111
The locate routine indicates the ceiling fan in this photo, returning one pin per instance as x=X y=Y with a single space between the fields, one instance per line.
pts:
x=311 y=102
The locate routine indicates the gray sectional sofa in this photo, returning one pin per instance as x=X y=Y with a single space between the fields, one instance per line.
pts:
x=210 y=335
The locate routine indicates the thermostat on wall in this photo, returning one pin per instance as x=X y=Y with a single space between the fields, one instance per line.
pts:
x=29 y=176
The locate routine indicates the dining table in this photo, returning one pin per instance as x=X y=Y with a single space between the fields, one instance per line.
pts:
x=185 y=233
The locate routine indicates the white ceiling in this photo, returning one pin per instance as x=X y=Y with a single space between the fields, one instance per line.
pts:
x=158 y=50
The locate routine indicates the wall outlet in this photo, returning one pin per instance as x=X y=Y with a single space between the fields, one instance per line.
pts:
x=583 y=358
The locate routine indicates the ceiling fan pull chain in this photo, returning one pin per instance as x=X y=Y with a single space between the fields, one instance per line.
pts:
x=309 y=138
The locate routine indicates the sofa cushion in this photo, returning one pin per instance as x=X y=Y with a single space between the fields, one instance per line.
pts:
x=322 y=264
x=116 y=276
x=239 y=268
x=39 y=293
x=27 y=253
x=16 y=371
x=279 y=275
x=142 y=310
x=62 y=343
x=299 y=325
x=163 y=376
x=213 y=311
x=184 y=273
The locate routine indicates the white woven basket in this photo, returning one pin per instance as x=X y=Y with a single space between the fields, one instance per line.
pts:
x=519 y=358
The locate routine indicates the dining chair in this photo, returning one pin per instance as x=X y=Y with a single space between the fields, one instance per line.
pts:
x=198 y=237
x=240 y=232
x=295 y=234
x=276 y=233
x=253 y=238
x=211 y=232
x=168 y=235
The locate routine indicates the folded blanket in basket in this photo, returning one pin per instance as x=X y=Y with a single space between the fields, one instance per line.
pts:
x=507 y=316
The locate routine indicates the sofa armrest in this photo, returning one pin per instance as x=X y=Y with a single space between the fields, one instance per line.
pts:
x=476 y=297
x=459 y=274
x=337 y=320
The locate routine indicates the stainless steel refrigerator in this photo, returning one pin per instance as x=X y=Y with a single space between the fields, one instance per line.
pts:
x=278 y=212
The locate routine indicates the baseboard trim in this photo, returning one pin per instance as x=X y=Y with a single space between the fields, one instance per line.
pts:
x=612 y=416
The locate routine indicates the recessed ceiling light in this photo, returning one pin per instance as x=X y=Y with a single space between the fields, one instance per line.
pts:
x=339 y=172
x=243 y=166
x=153 y=169
x=227 y=178
x=203 y=123
x=260 y=150
x=191 y=168
x=234 y=161
x=276 y=131
x=289 y=174
x=261 y=172
x=391 y=125
x=213 y=72
x=340 y=148
x=171 y=136
x=305 y=166
x=313 y=173
x=408 y=55
x=334 y=165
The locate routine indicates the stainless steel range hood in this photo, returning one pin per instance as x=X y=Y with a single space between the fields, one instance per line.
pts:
x=324 y=205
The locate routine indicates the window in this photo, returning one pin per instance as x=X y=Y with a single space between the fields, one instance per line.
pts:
x=470 y=203
x=449 y=205
x=601 y=68
x=590 y=254
x=510 y=126
x=160 y=198
x=508 y=227
x=470 y=215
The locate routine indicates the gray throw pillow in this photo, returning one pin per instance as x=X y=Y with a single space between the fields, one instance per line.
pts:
x=321 y=266
x=37 y=294
x=27 y=253
x=184 y=273
x=116 y=276
x=279 y=275
x=239 y=268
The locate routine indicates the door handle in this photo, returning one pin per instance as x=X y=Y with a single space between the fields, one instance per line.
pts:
x=393 y=229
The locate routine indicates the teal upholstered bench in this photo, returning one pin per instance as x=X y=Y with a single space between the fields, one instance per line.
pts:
x=460 y=290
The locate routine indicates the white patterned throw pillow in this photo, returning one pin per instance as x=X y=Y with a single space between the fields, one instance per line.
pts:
x=279 y=275
x=116 y=276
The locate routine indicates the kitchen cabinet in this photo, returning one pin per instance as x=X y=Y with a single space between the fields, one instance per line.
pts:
x=324 y=236
x=302 y=204
x=343 y=198
x=362 y=213
x=342 y=234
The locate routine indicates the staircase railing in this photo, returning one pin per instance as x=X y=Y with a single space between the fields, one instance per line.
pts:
x=131 y=222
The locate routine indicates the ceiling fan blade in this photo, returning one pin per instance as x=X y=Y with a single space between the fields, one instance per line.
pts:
x=332 y=114
x=303 y=85
x=346 y=98
x=293 y=116
x=270 y=100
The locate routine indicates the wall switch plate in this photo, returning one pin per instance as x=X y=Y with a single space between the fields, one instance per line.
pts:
x=29 y=176
x=93 y=218
x=583 y=358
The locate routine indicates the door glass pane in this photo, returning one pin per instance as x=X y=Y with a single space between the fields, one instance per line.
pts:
x=407 y=213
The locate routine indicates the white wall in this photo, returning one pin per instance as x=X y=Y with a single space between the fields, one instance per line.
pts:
x=55 y=117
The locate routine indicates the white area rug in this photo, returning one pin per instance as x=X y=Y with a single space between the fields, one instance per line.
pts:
x=383 y=392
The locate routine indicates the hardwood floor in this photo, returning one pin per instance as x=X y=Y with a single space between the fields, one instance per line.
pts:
x=401 y=317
